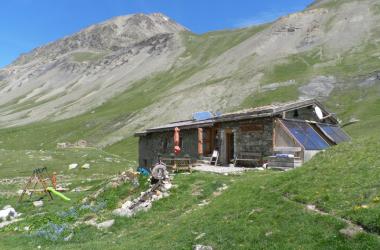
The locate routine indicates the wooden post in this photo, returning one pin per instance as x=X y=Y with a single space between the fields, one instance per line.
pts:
x=200 y=143
x=54 y=180
x=25 y=188
x=40 y=178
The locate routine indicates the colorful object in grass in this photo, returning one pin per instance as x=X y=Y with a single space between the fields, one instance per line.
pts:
x=177 y=150
x=54 y=180
x=143 y=171
x=60 y=195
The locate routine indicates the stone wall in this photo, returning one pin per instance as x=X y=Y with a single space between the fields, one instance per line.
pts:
x=162 y=143
x=251 y=136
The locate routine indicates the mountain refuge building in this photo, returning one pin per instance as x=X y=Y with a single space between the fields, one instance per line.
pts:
x=286 y=135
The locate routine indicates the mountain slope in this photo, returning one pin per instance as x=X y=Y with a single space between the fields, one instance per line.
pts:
x=76 y=73
x=308 y=54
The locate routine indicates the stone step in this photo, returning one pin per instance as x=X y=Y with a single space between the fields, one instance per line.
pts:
x=203 y=161
x=284 y=164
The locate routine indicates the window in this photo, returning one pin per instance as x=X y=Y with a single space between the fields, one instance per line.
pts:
x=295 y=114
x=334 y=133
x=306 y=135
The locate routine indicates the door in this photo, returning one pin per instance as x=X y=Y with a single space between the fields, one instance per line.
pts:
x=230 y=149
x=209 y=140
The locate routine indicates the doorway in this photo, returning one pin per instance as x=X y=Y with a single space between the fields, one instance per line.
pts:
x=209 y=140
x=230 y=148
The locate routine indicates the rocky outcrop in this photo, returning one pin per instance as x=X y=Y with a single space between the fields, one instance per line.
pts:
x=318 y=87
x=79 y=72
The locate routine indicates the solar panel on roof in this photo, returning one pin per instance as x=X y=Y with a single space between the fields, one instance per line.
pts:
x=200 y=116
x=306 y=135
x=334 y=133
x=218 y=114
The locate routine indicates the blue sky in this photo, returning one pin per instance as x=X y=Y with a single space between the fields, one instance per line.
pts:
x=26 y=24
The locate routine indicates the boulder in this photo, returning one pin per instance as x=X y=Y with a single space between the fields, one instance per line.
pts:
x=85 y=166
x=73 y=166
x=8 y=213
x=105 y=224
x=202 y=247
x=351 y=230
x=38 y=203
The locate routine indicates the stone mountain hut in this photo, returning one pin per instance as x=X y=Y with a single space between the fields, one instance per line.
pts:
x=248 y=137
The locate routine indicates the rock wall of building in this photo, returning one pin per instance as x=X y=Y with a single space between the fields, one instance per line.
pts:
x=251 y=136
x=162 y=143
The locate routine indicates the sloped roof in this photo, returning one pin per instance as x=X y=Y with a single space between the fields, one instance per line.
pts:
x=258 y=112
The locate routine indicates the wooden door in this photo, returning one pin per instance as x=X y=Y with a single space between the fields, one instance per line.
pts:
x=230 y=149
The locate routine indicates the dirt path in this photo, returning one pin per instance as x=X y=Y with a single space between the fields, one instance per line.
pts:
x=351 y=229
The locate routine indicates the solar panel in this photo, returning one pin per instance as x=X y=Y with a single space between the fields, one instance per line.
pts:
x=334 y=133
x=200 y=116
x=306 y=135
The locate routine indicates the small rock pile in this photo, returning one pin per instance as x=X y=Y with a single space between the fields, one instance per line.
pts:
x=157 y=191
x=124 y=177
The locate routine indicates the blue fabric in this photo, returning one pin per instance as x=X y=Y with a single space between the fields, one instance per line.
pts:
x=143 y=171
x=284 y=156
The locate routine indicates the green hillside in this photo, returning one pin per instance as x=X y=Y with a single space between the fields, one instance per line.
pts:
x=261 y=209
x=307 y=208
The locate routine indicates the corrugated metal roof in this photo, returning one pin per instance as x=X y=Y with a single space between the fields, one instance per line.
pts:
x=263 y=111
x=183 y=124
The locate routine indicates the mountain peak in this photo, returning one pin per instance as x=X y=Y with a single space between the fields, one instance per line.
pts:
x=113 y=34
x=148 y=22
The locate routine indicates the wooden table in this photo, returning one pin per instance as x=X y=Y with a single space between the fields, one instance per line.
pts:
x=177 y=164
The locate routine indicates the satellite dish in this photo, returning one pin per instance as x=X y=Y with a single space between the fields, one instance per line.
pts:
x=318 y=112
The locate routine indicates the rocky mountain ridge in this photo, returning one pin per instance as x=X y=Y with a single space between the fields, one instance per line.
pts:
x=87 y=68
x=112 y=35
x=318 y=53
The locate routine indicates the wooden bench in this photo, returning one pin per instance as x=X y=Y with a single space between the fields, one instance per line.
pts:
x=249 y=157
x=177 y=164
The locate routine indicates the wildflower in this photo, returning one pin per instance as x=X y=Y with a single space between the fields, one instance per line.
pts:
x=357 y=208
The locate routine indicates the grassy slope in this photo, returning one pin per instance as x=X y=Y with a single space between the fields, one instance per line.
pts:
x=255 y=211
x=265 y=210
x=22 y=162
x=262 y=210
